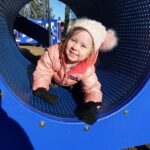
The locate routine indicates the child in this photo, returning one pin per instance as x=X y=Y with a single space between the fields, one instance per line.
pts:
x=72 y=61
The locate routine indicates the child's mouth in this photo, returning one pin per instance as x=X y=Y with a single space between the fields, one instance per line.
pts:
x=73 y=54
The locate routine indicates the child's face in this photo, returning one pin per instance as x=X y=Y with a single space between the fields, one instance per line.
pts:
x=79 y=46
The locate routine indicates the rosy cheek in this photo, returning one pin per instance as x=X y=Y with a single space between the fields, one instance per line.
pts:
x=82 y=57
x=68 y=44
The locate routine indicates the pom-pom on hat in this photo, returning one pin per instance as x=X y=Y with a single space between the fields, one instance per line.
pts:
x=103 y=40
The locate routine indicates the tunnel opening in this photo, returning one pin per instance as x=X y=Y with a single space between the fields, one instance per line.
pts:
x=122 y=72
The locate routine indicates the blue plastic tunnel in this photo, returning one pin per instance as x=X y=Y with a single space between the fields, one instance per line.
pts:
x=123 y=73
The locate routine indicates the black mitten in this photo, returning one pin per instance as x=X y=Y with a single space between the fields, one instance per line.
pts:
x=42 y=93
x=87 y=112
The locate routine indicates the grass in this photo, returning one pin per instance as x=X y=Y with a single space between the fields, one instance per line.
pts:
x=35 y=50
x=32 y=53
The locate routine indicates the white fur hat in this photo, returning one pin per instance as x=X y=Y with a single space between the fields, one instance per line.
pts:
x=104 y=40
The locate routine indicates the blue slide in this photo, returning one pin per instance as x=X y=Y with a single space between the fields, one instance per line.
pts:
x=27 y=123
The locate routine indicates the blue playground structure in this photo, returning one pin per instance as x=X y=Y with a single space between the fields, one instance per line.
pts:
x=28 y=123
x=55 y=31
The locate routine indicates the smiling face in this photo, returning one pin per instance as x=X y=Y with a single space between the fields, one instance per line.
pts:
x=79 y=46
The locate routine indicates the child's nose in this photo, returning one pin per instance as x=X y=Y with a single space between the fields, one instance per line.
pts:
x=75 y=47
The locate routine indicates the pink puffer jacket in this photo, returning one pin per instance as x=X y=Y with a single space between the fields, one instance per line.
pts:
x=51 y=66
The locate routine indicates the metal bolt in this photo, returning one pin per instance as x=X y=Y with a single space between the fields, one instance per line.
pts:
x=86 y=128
x=125 y=112
x=1 y=93
x=42 y=124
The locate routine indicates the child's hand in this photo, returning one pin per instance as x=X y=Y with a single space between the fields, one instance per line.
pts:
x=87 y=112
x=42 y=93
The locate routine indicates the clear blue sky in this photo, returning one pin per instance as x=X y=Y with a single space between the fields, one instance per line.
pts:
x=58 y=9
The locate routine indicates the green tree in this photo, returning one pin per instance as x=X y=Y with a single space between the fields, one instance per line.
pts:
x=66 y=23
x=37 y=9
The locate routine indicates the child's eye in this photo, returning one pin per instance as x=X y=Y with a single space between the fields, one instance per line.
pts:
x=73 y=40
x=83 y=46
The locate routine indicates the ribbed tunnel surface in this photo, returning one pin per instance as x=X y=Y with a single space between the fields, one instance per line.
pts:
x=122 y=72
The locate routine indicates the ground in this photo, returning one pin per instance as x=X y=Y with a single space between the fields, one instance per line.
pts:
x=35 y=50
x=32 y=53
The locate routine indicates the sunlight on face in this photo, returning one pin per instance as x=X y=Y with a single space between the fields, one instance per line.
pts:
x=79 y=46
